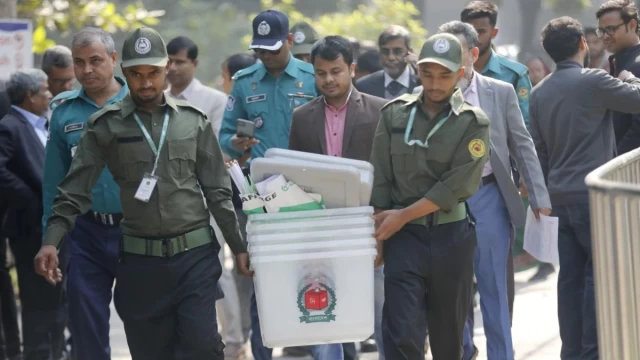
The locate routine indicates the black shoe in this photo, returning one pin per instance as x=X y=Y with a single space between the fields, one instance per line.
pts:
x=368 y=346
x=544 y=270
x=298 y=351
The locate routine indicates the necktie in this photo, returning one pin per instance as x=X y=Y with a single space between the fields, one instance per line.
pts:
x=394 y=88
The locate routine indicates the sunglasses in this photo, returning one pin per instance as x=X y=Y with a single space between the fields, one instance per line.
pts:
x=261 y=52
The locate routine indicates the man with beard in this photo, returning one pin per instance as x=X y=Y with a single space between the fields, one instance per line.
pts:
x=571 y=109
x=164 y=156
x=497 y=206
x=94 y=243
x=618 y=28
x=483 y=15
x=597 y=54
x=428 y=154
x=398 y=77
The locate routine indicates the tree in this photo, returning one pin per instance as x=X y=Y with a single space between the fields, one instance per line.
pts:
x=366 y=22
x=565 y=7
x=72 y=15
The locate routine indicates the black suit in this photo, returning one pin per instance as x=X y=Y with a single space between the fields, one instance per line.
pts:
x=373 y=84
x=626 y=126
x=21 y=169
x=10 y=342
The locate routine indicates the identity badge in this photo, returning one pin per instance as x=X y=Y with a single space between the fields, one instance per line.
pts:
x=145 y=190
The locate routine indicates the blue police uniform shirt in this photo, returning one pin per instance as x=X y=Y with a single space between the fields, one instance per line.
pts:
x=65 y=128
x=268 y=102
x=516 y=74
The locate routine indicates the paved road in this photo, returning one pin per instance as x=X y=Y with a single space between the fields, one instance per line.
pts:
x=535 y=326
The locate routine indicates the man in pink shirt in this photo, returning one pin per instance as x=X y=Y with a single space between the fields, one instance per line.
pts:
x=341 y=122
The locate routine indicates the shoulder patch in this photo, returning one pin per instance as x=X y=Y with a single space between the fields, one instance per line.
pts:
x=186 y=105
x=477 y=148
x=231 y=103
x=523 y=93
x=244 y=72
x=105 y=110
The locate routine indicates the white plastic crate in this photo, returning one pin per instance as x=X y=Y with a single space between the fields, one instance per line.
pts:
x=316 y=298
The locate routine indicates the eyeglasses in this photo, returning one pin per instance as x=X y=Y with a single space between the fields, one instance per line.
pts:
x=261 y=52
x=609 y=30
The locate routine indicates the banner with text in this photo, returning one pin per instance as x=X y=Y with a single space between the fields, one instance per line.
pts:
x=16 y=41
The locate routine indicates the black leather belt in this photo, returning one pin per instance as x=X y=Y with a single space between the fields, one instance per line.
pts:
x=105 y=219
x=486 y=180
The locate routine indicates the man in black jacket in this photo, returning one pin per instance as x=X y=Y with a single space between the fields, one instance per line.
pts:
x=618 y=27
x=23 y=137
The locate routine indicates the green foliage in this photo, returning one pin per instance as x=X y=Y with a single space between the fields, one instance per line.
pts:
x=366 y=22
x=563 y=7
x=216 y=30
x=67 y=16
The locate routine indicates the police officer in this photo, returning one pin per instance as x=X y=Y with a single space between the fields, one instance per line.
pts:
x=164 y=156
x=428 y=155
x=94 y=242
x=304 y=36
x=483 y=15
x=267 y=94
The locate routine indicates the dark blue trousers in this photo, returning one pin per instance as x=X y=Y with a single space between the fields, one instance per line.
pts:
x=94 y=250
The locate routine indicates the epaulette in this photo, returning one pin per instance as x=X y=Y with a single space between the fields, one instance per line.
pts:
x=106 y=109
x=184 y=104
x=62 y=97
x=406 y=98
x=306 y=67
x=481 y=116
x=244 y=72
x=514 y=66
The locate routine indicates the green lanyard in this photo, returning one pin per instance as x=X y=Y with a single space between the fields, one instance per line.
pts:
x=412 y=117
x=163 y=135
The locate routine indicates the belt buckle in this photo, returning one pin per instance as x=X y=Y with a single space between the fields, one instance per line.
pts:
x=167 y=248
x=104 y=218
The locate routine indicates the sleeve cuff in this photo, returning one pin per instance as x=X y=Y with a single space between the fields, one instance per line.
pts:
x=54 y=235
x=442 y=196
x=228 y=149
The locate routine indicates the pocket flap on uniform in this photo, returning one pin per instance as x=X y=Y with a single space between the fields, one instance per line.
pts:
x=184 y=149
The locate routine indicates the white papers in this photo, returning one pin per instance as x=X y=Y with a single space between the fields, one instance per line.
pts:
x=234 y=170
x=541 y=238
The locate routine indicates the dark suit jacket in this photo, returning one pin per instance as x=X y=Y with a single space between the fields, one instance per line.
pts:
x=308 y=126
x=626 y=126
x=373 y=84
x=21 y=170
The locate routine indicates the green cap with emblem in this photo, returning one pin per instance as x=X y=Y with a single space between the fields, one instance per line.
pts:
x=304 y=36
x=443 y=49
x=144 y=46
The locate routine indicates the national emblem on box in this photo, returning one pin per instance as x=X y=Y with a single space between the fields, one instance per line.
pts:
x=316 y=301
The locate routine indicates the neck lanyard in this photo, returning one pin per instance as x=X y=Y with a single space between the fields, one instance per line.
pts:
x=163 y=135
x=412 y=117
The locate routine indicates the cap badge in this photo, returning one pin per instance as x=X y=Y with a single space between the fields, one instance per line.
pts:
x=299 y=37
x=264 y=28
x=143 y=46
x=441 y=46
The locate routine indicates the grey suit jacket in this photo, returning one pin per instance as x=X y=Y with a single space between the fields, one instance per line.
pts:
x=510 y=139
x=308 y=126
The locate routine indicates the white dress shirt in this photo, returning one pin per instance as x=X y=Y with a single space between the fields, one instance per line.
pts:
x=39 y=123
x=404 y=79
x=207 y=99
x=471 y=96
